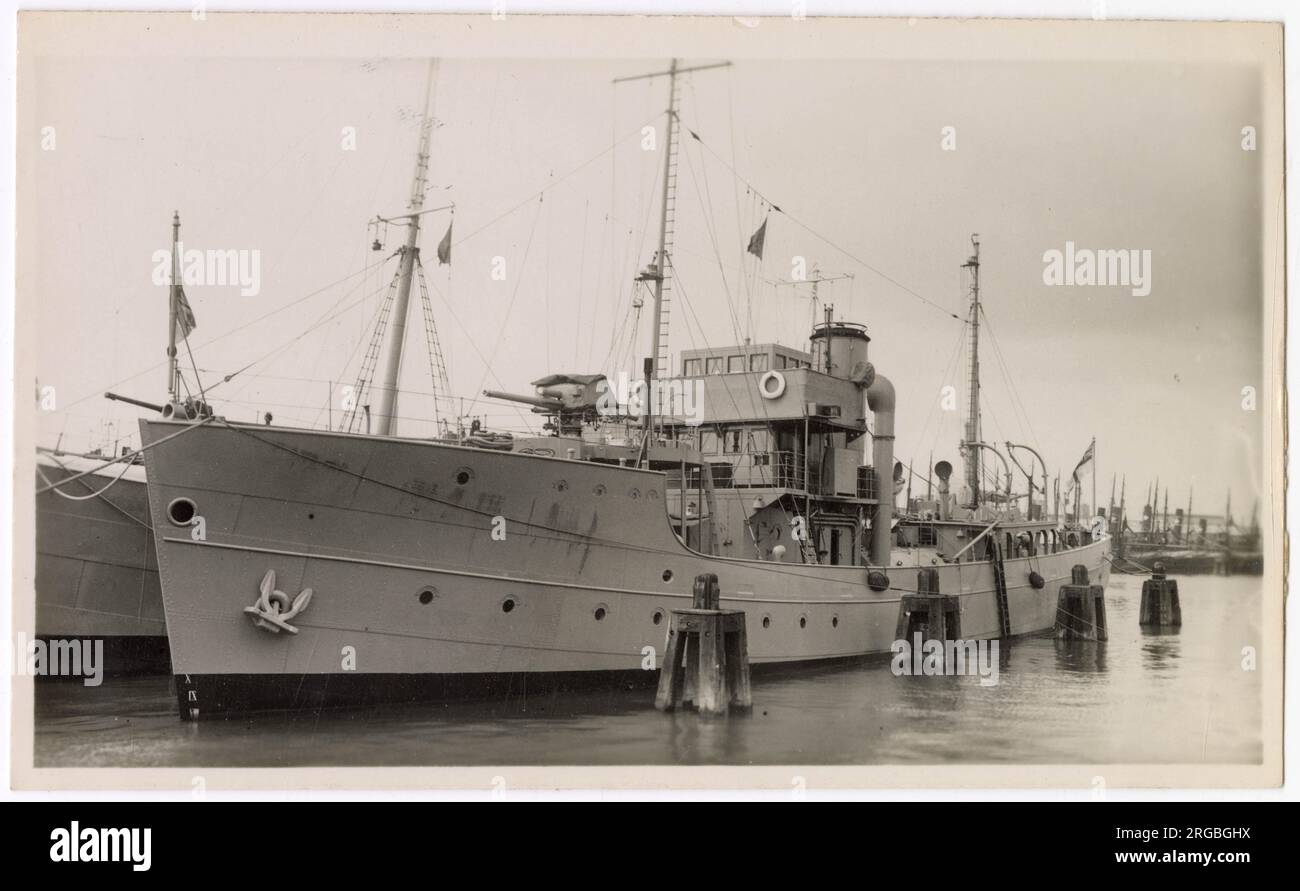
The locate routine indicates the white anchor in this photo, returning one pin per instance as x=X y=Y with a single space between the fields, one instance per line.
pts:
x=273 y=610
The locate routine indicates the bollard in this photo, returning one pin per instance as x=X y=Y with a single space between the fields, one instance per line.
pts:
x=932 y=614
x=1160 y=606
x=1080 y=608
x=706 y=660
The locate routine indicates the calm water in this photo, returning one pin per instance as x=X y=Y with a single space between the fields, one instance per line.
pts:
x=1141 y=697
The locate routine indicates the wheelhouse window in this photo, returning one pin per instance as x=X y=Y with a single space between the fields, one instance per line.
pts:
x=713 y=365
x=691 y=368
x=735 y=364
x=758 y=362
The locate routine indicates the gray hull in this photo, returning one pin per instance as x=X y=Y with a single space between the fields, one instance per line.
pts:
x=395 y=539
x=96 y=569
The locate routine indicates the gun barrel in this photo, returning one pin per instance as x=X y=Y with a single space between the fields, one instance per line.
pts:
x=540 y=402
x=140 y=402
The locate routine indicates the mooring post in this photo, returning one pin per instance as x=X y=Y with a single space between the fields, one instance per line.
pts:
x=1080 y=608
x=1160 y=606
x=706 y=660
x=930 y=612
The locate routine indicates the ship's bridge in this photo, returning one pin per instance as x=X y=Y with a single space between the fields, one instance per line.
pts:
x=761 y=383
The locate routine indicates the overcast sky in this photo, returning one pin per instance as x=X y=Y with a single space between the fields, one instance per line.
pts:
x=1113 y=154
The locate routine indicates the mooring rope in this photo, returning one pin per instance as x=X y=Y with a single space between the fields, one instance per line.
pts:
x=1141 y=568
x=54 y=487
x=127 y=457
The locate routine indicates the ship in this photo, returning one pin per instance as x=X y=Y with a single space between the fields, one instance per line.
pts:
x=96 y=570
x=1188 y=546
x=307 y=568
x=96 y=564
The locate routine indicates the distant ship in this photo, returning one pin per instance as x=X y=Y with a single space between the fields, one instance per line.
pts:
x=96 y=571
x=1227 y=550
x=304 y=568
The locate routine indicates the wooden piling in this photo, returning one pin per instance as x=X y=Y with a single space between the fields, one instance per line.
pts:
x=933 y=614
x=1080 y=608
x=706 y=661
x=1160 y=606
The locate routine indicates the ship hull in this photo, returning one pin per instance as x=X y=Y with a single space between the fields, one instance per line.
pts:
x=437 y=569
x=96 y=570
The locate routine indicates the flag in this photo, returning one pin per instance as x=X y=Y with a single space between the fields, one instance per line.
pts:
x=444 y=248
x=184 y=315
x=1087 y=457
x=756 y=241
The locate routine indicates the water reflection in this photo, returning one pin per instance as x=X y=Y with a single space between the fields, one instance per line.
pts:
x=1081 y=656
x=1161 y=650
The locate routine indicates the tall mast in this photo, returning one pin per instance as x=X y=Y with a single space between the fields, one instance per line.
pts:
x=1187 y=521
x=666 y=216
x=387 y=417
x=659 y=335
x=172 y=303
x=973 y=408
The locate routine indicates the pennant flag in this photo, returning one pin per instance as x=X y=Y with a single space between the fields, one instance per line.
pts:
x=444 y=248
x=756 y=240
x=184 y=315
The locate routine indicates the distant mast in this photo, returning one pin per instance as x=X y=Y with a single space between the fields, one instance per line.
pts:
x=970 y=446
x=387 y=416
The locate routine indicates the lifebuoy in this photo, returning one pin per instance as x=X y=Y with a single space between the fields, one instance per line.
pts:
x=766 y=379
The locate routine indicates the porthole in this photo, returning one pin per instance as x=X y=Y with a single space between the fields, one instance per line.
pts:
x=561 y=485
x=767 y=621
x=668 y=575
x=803 y=621
x=463 y=476
x=599 y=489
x=600 y=613
x=634 y=494
x=426 y=596
x=507 y=605
x=658 y=617
x=652 y=494
x=835 y=621
x=182 y=511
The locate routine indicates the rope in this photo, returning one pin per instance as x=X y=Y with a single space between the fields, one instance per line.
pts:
x=129 y=457
x=54 y=487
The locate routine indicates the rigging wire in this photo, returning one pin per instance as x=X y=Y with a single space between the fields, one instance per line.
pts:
x=863 y=263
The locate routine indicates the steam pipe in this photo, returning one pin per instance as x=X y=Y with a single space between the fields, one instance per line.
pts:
x=880 y=400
